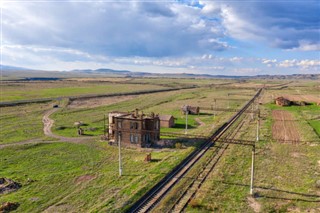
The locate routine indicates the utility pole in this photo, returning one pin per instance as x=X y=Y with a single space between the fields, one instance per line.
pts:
x=252 y=111
x=215 y=108
x=104 y=126
x=186 y=131
x=120 y=163
x=253 y=154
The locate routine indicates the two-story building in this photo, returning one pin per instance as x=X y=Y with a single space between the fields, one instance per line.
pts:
x=134 y=129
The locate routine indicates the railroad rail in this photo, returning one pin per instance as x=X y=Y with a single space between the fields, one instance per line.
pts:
x=227 y=110
x=193 y=187
x=148 y=201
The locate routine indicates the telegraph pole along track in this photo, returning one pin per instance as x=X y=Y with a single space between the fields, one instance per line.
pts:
x=150 y=200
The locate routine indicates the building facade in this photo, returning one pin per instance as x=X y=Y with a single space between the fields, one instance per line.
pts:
x=135 y=129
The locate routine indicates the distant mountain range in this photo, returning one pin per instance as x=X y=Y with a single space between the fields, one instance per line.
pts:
x=5 y=67
x=20 y=72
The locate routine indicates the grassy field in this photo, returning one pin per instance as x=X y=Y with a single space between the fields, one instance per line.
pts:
x=51 y=89
x=22 y=122
x=69 y=177
x=162 y=103
x=81 y=177
x=285 y=177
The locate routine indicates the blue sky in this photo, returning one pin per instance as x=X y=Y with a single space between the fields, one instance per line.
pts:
x=214 y=37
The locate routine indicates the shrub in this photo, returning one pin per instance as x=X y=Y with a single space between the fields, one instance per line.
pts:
x=178 y=145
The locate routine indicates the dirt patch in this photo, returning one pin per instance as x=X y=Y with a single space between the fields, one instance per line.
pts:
x=60 y=208
x=8 y=185
x=296 y=154
x=285 y=128
x=200 y=122
x=84 y=178
x=95 y=102
x=254 y=204
x=319 y=163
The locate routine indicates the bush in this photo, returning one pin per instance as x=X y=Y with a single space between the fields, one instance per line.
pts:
x=61 y=128
x=178 y=145
x=194 y=203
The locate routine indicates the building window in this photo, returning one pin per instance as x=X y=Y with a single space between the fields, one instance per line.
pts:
x=134 y=125
x=147 y=137
x=134 y=138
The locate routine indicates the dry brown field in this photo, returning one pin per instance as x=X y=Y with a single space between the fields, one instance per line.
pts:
x=96 y=102
x=284 y=128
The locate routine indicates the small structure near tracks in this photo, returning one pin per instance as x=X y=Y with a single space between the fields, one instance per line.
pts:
x=281 y=101
x=192 y=110
x=166 y=121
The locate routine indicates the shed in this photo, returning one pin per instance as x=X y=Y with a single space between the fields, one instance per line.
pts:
x=190 y=109
x=166 y=121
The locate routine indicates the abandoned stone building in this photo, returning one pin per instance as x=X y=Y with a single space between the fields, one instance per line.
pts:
x=134 y=129
x=281 y=101
x=190 y=109
x=166 y=121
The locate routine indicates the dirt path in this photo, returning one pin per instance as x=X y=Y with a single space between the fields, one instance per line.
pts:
x=200 y=122
x=48 y=123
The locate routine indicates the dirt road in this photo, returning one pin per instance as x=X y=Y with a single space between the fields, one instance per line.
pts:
x=48 y=123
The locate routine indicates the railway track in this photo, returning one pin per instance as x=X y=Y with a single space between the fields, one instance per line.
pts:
x=196 y=182
x=147 y=202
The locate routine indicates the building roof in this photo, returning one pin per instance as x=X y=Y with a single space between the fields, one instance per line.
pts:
x=281 y=98
x=165 y=117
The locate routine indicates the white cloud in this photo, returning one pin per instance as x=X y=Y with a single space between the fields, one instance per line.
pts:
x=284 y=25
x=307 y=46
x=304 y=64
x=150 y=29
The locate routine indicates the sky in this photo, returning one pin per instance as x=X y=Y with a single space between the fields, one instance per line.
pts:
x=181 y=36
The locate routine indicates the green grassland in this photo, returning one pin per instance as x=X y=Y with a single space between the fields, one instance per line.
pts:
x=50 y=175
x=34 y=90
x=22 y=122
x=68 y=177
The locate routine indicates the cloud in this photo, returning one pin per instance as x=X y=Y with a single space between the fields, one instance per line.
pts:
x=122 y=29
x=303 y=64
x=217 y=37
x=283 y=24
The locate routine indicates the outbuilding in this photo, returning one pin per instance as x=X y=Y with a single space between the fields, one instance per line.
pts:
x=166 y=121
x=281 y=101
